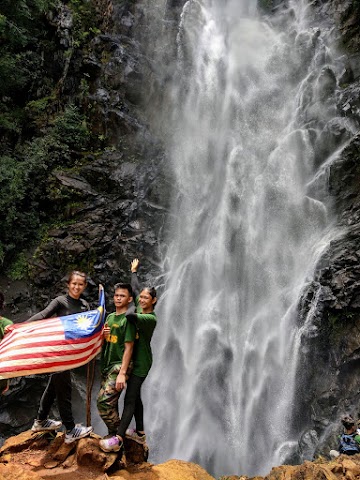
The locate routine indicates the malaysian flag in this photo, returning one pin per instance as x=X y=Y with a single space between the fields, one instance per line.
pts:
x=54 y=344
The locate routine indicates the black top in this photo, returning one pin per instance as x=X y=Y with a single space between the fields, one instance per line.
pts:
x=61 y=306
x=135 y=285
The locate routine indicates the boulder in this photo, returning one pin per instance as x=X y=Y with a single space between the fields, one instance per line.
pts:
x=170 y=470
x=88 y=453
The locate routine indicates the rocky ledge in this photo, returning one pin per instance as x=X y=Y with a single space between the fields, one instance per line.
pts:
x=45 y=456
x=38 y=456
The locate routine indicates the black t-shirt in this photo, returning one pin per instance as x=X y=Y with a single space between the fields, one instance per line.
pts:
x=61 y=306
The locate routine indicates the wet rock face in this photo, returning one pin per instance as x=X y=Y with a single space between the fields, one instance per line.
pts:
x=331 y=339
x=120 y=209
x=346 y=14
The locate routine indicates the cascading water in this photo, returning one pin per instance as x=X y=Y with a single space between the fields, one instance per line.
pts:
x=248 y=101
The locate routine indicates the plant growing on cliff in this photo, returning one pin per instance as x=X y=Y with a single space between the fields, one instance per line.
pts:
x=42 y=125
x=25 y=177
x=85 y=19
x=71 y=127
x=18 y=268
x=22 y=24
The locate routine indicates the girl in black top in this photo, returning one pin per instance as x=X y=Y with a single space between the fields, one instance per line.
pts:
x=59 y=385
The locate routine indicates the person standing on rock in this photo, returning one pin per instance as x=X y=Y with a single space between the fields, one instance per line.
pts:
x=119 y=337
x=145 y=322
x=59 y=385
x=4 y=327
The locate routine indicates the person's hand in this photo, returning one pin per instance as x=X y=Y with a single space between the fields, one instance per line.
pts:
x=8 y=329
x=106 y=332
x=120 y=383
x=134 y=265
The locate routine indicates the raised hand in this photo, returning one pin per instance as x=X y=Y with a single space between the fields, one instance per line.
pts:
x=134 y=265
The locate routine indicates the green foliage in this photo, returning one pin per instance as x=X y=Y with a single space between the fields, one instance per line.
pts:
x=11 y=119
x=84 y=16
x=24 y=178
x=17 y=210
x=41 y=131
x=71 y=128
x=22 y=25
x=38 y=111
x=20 y=20
x=18 y=269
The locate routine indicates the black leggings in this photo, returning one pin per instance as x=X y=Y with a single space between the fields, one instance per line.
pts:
x=59 y=387
x=132 y=406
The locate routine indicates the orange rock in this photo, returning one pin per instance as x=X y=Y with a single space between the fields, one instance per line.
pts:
x=25 y=440
x=15 y=472
x=171 y=470
x=350 y=466
x=306 y=471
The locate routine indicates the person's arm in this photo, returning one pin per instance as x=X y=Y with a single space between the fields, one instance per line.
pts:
x=131 y=309
x=138 y=319
x=8 y=326
x=5 y=324
x=121 y=378
x=134 y=279
x=49 y=311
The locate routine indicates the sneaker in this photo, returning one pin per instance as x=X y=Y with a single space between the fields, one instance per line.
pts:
x=132 y=433
x=47 y=425
x=113 y=444
x=79 y=431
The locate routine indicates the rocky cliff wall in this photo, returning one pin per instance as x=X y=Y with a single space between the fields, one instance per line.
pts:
x=330 y=362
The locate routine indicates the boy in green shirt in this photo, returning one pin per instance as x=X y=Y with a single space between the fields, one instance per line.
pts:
x=119 y=337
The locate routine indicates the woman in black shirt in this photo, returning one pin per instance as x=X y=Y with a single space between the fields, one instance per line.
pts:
x=59 y=385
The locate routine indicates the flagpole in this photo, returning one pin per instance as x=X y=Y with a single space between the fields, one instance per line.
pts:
x=89 y=384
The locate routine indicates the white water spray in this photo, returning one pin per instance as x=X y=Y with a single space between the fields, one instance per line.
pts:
x=247 y=101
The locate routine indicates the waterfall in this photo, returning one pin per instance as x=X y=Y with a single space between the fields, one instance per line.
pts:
x=244 y=127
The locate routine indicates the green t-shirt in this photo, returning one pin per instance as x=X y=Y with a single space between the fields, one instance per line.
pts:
x=4 y=322
x=121 y=331
x=142 y=356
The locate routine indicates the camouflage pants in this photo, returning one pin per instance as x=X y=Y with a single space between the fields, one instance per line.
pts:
x=107 y=400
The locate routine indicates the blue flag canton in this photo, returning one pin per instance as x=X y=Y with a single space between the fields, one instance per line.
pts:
x=82 y=325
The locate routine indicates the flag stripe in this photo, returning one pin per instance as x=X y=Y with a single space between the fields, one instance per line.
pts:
x=61 y=349
x=23 y=337
x=53 y=361
x=50 y=368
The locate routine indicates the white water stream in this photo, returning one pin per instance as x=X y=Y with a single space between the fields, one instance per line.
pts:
x=247 y=101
